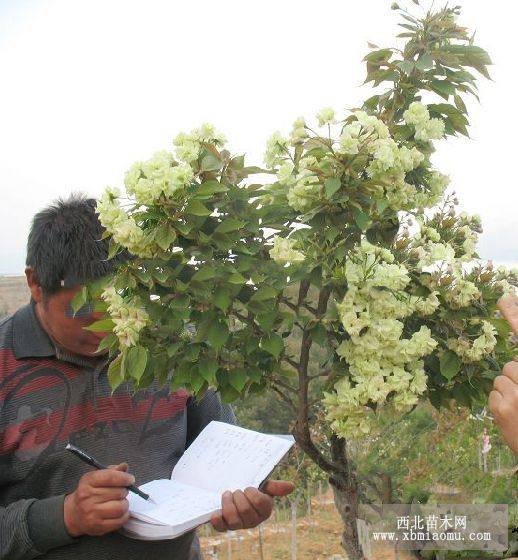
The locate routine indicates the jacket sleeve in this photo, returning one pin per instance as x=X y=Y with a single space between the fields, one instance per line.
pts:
x=29 y=528
x=200 y=413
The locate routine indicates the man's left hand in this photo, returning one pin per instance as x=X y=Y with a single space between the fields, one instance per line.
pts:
x=248 y=508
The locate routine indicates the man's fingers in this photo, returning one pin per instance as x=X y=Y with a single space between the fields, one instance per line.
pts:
x=107 y=494
x=114 y=524
x=113 y=509
x=494 y=402
x=509 y=308
x=218 y=523
x=229 y=512
x=110 y=477
x=246 y=511
x=120 y=467
x=278 y=487
x=504 y=385
x=511 y=370
x=262 y=503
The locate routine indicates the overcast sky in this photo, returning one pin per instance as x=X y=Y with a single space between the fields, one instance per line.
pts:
x=88 y=87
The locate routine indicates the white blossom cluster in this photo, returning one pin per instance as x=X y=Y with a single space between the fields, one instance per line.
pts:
x=157 y=177
x=380 y=360
x=129 y=319
x=187 y=146
x=481 y=347
x=425 y=127
x=283 y=251
x=387 y=162
x=122 y=227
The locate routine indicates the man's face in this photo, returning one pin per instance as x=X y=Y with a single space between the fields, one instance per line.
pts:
x=67 y=331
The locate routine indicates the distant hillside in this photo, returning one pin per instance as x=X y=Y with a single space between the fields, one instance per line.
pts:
x=13 y=294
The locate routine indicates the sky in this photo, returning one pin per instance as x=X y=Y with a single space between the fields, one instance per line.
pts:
x=90 y=86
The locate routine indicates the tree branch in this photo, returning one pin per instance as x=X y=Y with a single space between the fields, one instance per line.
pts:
x=284 y=397
x=292 y=363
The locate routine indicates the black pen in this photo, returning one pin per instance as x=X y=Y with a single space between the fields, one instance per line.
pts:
x=83 y=455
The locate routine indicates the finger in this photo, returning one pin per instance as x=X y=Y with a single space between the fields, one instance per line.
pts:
x=109 y=525
x=511 y=370
x=109 y=478
x=494 y=401
x=278 y=487
x=102 y=494
x=113 y=509
x=218 y=523
x=262 y=503
x=246 y=511
x=509 y=308
x=504 y=385
x=229 y=512
x=120 y=467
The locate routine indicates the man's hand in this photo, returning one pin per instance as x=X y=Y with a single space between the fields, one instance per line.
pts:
x=503 y=403
x=508 y=306
x=244 y=510
x=98 y=505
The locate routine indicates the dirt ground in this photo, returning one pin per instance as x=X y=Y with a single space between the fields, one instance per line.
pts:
x=318 y=538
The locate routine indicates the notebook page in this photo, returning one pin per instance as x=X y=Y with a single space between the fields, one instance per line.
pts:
x=226 y=457
x=176 y=503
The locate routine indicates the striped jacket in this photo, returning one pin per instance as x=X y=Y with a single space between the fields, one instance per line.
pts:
x=49 y=398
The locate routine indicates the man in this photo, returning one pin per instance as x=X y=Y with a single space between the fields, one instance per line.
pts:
x=503 y=400
x=54 y=389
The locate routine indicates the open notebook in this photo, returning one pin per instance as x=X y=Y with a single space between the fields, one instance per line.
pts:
x=223 y=457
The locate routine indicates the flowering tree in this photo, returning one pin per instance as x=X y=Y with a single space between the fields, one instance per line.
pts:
x=350 y=273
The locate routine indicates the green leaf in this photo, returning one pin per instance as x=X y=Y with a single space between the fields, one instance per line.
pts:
x=172 y=349
x=266 y=320
x=425 y=62
x=228 y=394
x=406 y=66
x=210 y=187
x=502 y=326
x=164 y=236
x=113 y=248
x=205 y=273
x=382 y=76
x=361 y=218
x=379 y=55
x=208 y=369
x=210 y=163
x=135 y=361
x=181 y=376
x=107 y=342
x=272 y=344
x=443 y=88
x=229 y=224
x=196 y=208
x=459 y=102
x=237 y=378
x=450 y=364
x=217 y=334
x=79 y=299
x=331 y=185
x=222 y=298
x=236 y=278
x=264 y=293
x=104 y=325
x=116 y=372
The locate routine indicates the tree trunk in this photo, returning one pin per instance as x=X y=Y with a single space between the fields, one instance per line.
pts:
x=294 y=504
x=346 y=502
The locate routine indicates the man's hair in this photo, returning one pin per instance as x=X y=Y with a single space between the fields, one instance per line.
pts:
x=64 y=246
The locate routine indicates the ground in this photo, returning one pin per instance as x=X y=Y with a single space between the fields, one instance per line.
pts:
x=13 y=294
x=318 y=538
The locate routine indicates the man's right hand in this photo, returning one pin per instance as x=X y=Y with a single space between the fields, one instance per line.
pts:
x=98 y=505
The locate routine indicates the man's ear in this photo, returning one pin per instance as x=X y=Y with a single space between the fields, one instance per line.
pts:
x=34 y=286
